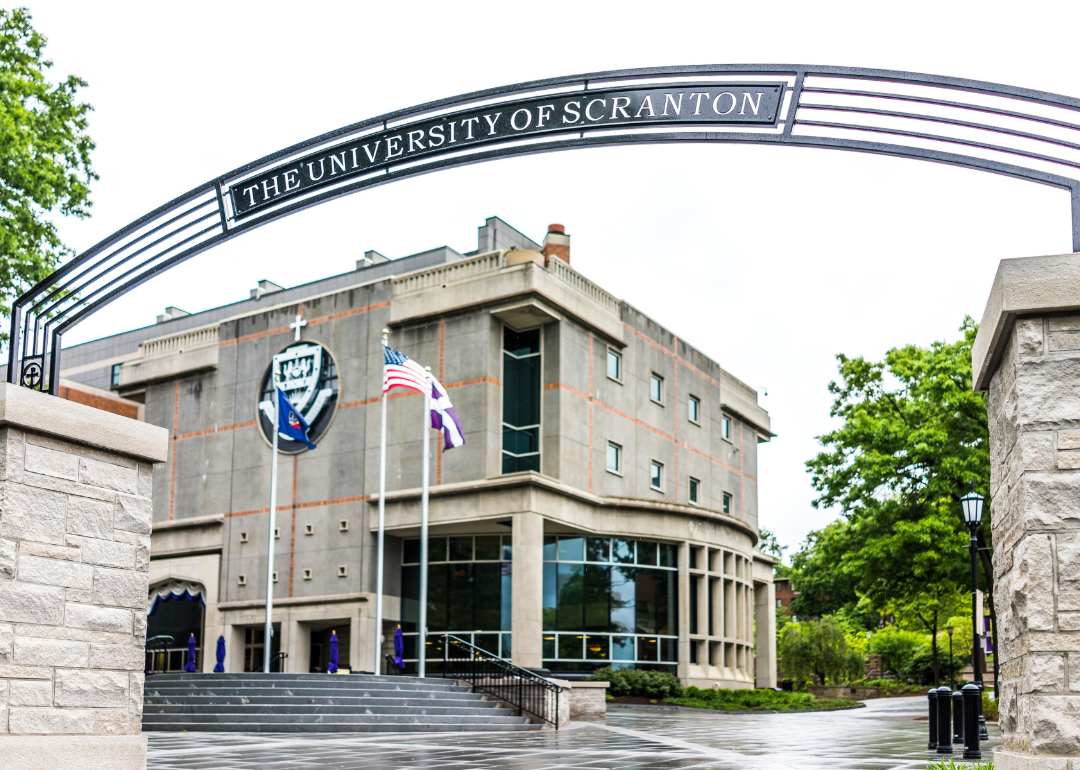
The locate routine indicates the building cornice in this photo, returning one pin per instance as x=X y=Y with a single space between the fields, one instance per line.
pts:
x=294 y=601
x=210 y=520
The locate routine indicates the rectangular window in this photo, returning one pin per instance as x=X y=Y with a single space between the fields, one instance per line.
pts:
x=693 y=409
x=521 y=401
x=614 y=457
x=115 y=375
x=656 y=388
x=614 y=365
x=694 y=484
x=694 y=605
x=656 y=475
x=727 y=503
x=725 y=428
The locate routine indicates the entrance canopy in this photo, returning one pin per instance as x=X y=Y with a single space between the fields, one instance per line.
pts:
x=1017 y=132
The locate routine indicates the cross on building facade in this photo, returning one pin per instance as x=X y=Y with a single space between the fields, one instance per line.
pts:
x=297 y=325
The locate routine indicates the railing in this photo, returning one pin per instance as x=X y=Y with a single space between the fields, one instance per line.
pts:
x=205 y=336
x=729 y=381
x=447 y=274
x=529 y=693
x=562 y=271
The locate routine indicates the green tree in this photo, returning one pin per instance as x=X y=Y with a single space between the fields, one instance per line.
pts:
x=823 y=589
x=817 y=648
x=914 y=436
x=767 y=543
x=44 y=158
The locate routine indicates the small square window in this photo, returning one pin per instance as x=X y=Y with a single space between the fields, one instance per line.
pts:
x=727 y=503
x=656 y=388
x=309 y=529
x=307 y=574
x=693 y=409
x=656 y=475
x=115 y=379
x=273 y=578
x=243 y=537
x=694 y=486
x=241 y=580
x=343 y=525
x=725 y=428
x=614 y=457
x=614 y=365
x=277 y=533
x=342 y=571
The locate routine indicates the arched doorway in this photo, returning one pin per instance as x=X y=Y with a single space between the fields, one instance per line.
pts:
x=175 y=610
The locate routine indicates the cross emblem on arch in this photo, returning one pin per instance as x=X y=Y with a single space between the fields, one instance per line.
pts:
x=297 y=325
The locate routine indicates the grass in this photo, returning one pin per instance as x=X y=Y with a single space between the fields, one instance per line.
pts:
x=752 y=700
x=948 y=764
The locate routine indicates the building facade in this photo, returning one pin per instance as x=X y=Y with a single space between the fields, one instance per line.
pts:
x=603 y=510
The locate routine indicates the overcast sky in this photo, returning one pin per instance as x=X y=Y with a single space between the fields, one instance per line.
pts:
x=770 y=260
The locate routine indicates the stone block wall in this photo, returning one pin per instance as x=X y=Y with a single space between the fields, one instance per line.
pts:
x=74 y=562
x=1034 y=408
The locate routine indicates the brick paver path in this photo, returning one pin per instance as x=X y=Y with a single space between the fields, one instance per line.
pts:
x=882 y=736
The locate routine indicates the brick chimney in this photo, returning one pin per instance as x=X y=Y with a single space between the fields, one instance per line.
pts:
x=557 y=243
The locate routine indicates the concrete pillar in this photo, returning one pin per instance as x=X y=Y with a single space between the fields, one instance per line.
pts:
x=527 y=615
x=76 y=485
x=765 y=634
x=1027 y=358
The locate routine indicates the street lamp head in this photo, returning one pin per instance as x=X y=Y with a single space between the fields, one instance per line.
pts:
x=949 y=629
x=972 y=503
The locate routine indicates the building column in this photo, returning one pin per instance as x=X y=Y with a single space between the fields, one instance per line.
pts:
x=1027 y=357
x=683 y=667
x=527 y=613
x=297 y=642
x=764 y=635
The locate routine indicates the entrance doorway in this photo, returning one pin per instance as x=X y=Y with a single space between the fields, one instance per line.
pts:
x=177 y=613
x=320 y=646
x=255 y=643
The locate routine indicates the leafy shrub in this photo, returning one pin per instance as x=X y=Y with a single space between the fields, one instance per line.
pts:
x=990 y=707
x=817 y=648
x=920 y=667
x=648 y=684
x=740 y=700
x=896 y=647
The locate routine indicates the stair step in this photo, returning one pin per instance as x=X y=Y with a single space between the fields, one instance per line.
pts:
x=341 y=727
x=492 y=709
x=199 y=719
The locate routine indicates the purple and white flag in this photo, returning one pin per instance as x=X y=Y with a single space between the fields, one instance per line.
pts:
x=444 y=418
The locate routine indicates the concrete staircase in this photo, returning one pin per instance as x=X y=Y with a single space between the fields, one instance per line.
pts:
x=320 y=703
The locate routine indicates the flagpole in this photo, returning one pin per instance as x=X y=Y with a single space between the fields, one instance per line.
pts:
x=269 y=634
x=382 y=524
x=422 y=642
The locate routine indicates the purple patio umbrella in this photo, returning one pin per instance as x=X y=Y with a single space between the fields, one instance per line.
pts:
x=220 y=667
x=190 y=666
x=399 y=648
x=332 y=668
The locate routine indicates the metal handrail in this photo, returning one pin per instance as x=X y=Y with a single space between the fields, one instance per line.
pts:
x=526 y=691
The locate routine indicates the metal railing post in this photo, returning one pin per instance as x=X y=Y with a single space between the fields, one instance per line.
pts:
x=944 y=720
x=972 y=696
x=958 y=716
x=932 y=698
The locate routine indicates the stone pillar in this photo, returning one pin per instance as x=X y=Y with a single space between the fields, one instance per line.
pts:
x=527 y=613
x=75 y=520
x=1027 y=358
x=765 y=634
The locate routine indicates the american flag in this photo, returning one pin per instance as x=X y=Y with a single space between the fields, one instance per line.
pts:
x=400 y=371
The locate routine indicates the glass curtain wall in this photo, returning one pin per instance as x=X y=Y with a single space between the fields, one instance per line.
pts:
x=610 y=602
x=469 y=594
x=521 y=401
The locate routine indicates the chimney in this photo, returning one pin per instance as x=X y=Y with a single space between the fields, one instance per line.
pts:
x=557 y=243
x=370 y=258
x=265 y=287
x=171 y=313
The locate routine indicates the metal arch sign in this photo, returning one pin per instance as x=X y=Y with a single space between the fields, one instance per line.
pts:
x=1017 y=132
x=684 y=104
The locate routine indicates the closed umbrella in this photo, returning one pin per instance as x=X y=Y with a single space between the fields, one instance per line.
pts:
x=190 y=654
x=332 y=668
x=220 y=667
x=399 y=648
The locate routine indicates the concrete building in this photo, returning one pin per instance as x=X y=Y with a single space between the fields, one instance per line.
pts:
x=603 y=510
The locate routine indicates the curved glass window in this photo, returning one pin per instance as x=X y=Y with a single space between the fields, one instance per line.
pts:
x=469 y=594
x=610 y=602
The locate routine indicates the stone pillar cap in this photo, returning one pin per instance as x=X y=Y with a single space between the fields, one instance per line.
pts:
x=1022 y=286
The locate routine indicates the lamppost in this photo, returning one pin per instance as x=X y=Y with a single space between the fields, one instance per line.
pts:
x=972 y=504
x=952 y=674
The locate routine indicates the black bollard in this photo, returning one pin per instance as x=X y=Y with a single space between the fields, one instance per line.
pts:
x=958 y=717
x=944 y=720
x=932 y=697
x=972 y=695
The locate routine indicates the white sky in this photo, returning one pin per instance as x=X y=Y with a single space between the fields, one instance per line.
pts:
x=865 y=253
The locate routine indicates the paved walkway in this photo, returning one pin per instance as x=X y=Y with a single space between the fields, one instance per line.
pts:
x=882 y=736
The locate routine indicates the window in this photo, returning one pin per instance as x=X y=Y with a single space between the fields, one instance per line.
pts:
x=656 y=388
x=614 y=365
x=343 y=525
x=307 y=574
x=614 y=458
x=243 y=537
x=241 y=580
x=725 y=428
x=727 y=503
x=342 y=571
x=694 y=486
x=521 y=401
x=273 y=577
x=115 y=375
x=309 y=529
x=656 y=475
x=277 y=531
x=693 y=409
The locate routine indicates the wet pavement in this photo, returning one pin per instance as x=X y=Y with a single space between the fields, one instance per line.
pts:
x=882 y=736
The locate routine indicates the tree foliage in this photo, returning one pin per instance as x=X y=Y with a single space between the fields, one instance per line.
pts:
x=913 y=437
x=817 y=648
x=44 y=157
